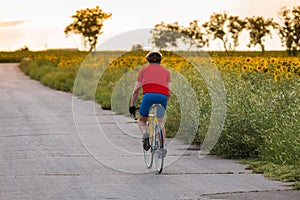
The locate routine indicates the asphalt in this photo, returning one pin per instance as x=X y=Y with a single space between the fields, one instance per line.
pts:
x=56 y=146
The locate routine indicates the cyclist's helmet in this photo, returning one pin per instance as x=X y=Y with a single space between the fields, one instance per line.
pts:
x=154 y=57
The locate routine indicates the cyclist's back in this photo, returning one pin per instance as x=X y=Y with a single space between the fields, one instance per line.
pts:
x=154 y=79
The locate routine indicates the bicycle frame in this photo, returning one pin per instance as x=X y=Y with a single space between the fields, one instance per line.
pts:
x=153 y=119
x=157 y=140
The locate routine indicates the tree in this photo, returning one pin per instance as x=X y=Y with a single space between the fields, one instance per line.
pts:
x=169 y=35
x=166 y=35
x=195 y=37
x=289 y=31
x=225 y=28
x=215 y=27
x=136 y=47
x=259 y=28
x=235 y=27
x=24 y=48
x=88 y=23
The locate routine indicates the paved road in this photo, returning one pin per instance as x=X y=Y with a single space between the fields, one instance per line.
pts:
x=55 y=146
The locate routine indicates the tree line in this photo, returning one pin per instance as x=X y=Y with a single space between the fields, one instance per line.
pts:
x=221 y=26
x=227 y=29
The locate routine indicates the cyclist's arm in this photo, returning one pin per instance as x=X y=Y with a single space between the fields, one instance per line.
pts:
x=135 y=93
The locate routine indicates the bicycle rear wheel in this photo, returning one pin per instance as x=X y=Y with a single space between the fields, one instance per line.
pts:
x=159 y=149
x=148 y=155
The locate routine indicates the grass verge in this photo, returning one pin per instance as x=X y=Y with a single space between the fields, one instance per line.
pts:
x=280 y=172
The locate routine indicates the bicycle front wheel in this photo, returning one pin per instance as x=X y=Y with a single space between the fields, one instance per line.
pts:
x=159 y=149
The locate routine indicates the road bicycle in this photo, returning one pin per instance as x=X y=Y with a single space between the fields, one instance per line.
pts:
x=157 y=151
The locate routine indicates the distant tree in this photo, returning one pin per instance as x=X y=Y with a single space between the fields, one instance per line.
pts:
x=235 y=27
x=225 y=28
x=289 y=31
x=215 y=27
x=259 y=28
x=88 y=23
x=195 y=36
x=165 y=35
x=24 y=48
x=169 y=35
x=136 y=47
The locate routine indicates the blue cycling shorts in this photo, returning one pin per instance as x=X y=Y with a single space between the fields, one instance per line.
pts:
x=153 y=98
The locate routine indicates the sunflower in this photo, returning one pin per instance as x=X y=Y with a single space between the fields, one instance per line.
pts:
x=273 y=60
x=277 y=72
x=228 y=67
x=278 y=78
x=248 y=60
x=276 y=68
x=250 y=69
x=283 y=68
x=259 y=68
x=289 y=76
x=262 y=61
x=244 y=68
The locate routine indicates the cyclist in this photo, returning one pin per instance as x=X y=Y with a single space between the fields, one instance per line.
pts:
x=156 y=84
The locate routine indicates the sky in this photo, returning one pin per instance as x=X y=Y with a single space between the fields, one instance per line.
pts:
x=40 y=24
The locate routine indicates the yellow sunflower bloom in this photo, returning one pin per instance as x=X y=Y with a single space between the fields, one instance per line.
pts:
x=248 y=60
x=278 y=78
x=273 y=61
x=289 y=76
x=228 y=67
x=259 y=68
x=283 y=68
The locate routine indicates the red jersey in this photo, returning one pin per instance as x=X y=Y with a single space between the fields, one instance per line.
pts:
x=154 y=78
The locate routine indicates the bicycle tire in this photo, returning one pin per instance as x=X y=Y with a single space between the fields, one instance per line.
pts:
x=159 y=147
x=148 y=155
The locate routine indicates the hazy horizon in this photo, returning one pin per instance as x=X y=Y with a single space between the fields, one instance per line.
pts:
x=40 y=24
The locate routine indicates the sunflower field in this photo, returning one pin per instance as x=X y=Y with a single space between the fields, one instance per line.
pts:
x=262 y=96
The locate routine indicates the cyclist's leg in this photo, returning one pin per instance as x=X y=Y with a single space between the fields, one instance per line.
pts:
x=143 y=123
x=144 y=111
x=161 y=123
x=163 y=100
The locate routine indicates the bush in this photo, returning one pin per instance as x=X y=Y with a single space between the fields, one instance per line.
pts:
x=49 y=74
x=37 y=69
x=59 y=80
x=261 y=119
